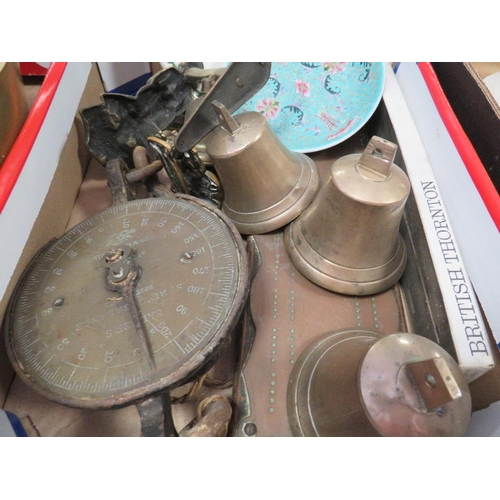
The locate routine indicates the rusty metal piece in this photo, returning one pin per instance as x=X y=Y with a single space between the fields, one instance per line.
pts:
x=121 y=191
x=123 y=181
x=144 y=168
x=214 y=415
x=140 y=157
x=143 y=173
x=146 y=171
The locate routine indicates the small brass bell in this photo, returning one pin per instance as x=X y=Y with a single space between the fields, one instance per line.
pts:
x=266 y=185
x=348 y=239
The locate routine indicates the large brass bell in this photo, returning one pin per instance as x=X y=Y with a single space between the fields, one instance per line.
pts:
x=362 y=383
x=266 y=185
x=348 y=239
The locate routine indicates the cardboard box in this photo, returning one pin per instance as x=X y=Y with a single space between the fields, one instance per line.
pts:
x=34 y=68
x=41 y=177
x=124 y=77
x=13 y=106
x=466 y=88
x=79 y=85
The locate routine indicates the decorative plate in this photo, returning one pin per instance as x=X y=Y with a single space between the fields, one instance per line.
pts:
x=315 y=105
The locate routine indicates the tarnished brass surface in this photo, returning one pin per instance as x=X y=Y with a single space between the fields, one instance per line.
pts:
x=348 y=239
x=322 y=397
x=266 y=185
x=53 y=419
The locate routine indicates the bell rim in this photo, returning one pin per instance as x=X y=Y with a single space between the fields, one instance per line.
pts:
x=332 y=279
x=289 y=208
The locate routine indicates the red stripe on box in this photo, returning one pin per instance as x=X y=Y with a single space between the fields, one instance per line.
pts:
x=32 y=69
x=473 y=164
x=14 y=162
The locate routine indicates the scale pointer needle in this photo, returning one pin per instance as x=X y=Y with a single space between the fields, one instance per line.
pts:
x=122 y=277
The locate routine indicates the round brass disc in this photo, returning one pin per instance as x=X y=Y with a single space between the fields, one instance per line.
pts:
x=322 y=397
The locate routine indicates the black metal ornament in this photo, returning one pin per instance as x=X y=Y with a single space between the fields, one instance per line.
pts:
x=121 y=122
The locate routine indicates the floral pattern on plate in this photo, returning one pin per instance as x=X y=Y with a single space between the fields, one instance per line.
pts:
x=315 y=105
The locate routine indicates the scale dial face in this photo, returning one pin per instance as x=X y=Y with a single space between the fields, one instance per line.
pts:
x=74 y=339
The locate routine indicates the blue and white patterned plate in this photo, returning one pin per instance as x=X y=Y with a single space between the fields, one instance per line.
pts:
x=315 y=105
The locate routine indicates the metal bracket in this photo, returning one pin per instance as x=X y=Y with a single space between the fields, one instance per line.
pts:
x=239 y=83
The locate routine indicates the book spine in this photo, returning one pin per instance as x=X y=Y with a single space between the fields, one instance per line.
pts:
x=467 y=327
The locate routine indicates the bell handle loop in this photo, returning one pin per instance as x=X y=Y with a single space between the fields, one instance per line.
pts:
x=434 y=383
x=378 y=157
x=225 y=118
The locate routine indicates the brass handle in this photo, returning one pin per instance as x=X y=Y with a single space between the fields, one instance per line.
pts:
x=434 y=383
x=377 y=158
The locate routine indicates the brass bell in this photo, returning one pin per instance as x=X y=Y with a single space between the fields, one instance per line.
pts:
x=362 y=383
x=348 y=239
x=266 y=185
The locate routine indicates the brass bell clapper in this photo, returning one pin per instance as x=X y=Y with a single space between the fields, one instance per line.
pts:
x=348 y=239
x=265 y=184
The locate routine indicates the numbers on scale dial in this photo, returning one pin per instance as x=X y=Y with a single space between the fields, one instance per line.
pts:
x=74 y=335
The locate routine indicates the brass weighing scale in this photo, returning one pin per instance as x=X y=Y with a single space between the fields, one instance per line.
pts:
x=128 y=305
